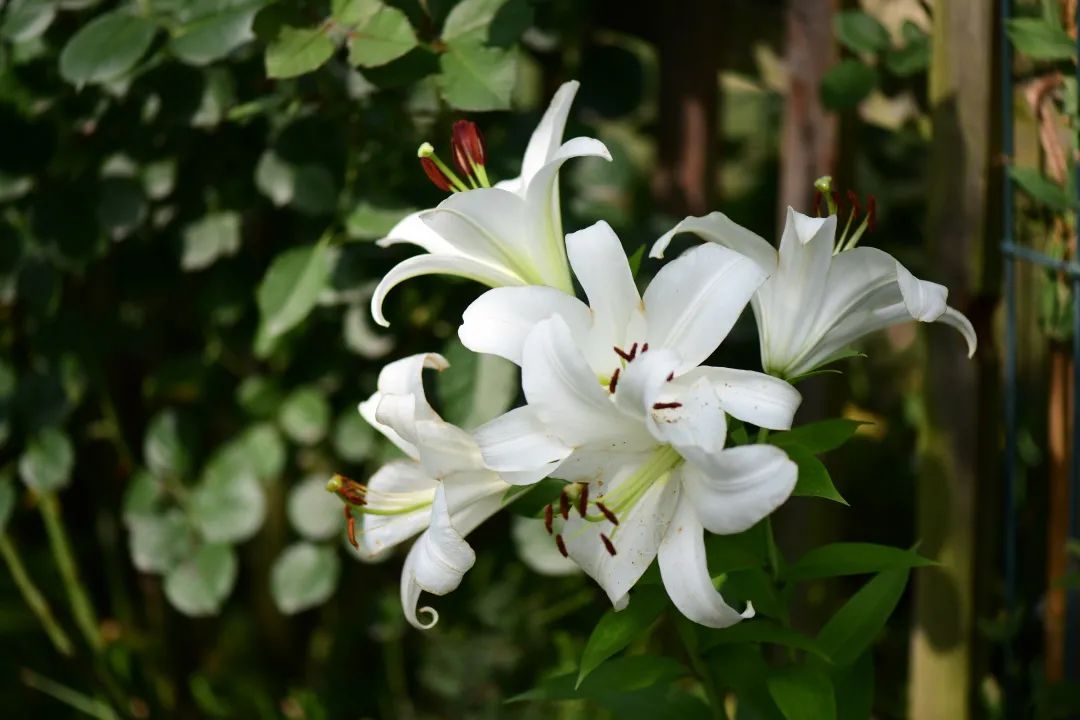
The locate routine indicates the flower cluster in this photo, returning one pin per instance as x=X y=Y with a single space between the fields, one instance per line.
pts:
x=618 y=403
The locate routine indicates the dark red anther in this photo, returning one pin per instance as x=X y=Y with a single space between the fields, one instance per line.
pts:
x=608 y=545
x=467 y=146
x=817 y=203
x=836 y=200
x=561 y=545
x=564 y=506
x=645 y=348
x=549 y=517
x=623 y=354
x=583 y=501
x=670 y=376
x=871 y=212
x=854 y=200
x=614 y=381
x=633 y=352
x=611 y=518
x=350 y=527
x=349 y=490
x=666 y=405
x=435 y=175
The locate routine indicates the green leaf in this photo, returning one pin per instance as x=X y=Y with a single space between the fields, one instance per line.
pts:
x=477 y=387
x=27 y=19
x=760 y=630
x=860 y=32
x=818 y=437
x=625 y=674
x=213 y=35
x=616 y=630
x=855 y=625
x=227 y=506
x=487 y=22
x=122 y=206
x=377 y=33
x=199 y=585
x=814 y=479
x=305 y=416
x=106 y=47
x=846 y=84
x=476 y=77
x=313 y=511
x=296 y=51
x=46 y=463
x=265 y=449
x=258 y=396
x=1042 y=188
x=854 y=688
x=8 y=497
x=157 y=543
x=142 y=496
x=167 y=446
x=914 y=56
x=214 y=236
x=852 y=558
x=635 y=260
x=1041 y=40
x=290 y=289
x=369 y=222
x=802 y=693
x=354 y=438
x=304 y=576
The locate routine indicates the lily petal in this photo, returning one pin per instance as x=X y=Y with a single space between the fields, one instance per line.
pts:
x=685 y=572
x=698 y=427
x=401 y=478
x=437 y=265
x=413 y=230
x=739 y=486
x=438 y=560
x=719 y=228
x=692 y=303
x=519 y=441
x=753 y=397
x=548 y=135
x=636 y=538
x=403 y=380
x=641 y=383
x=564 y=391
x=498 y=321
x=485 y=224
x=600 y=265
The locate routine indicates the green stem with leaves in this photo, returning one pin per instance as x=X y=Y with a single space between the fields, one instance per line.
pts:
x=81 y=607
x=33 y=597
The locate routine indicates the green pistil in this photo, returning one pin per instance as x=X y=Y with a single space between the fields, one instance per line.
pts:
x=368 y=510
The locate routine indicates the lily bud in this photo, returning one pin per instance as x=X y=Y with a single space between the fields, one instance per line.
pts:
x=467 y=146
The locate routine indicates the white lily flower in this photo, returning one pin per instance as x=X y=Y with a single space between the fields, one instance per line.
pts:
x=618 y=404
x=509 y=234
x=443 y=491
x=822 y=296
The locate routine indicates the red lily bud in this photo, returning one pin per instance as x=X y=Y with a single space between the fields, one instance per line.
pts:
x=467 y=146
x=853 y=199
x=435 y=175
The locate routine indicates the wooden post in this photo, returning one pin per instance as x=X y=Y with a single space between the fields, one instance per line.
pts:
x=958 y=394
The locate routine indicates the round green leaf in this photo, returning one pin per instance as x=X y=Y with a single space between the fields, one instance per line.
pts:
x=214 y=236
x=378 y=33
x=354 y=438
x=846 y=84
x=27 y=19
x=291 y=287
x=214 y=35
x=228 y=509
x=305 y=416
x=476 y=77
x=315 y=513
x=167 y=446
x=142 y=496
x=296 y=51
x=122 y=206
x=198 y=586
x=47 y=462
x=304 y=576
x=106 y=47
x=259 y=396
x=860 y=31
x=158 y=542
x=266 y=450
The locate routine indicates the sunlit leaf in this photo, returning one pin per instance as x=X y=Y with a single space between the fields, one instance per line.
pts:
x=214 y=236
x=377 y=33
x=860 y=31
x=296 y=51
x=305 y=416
x=106 y=47
x=291 y=287
x=46 y=463
x=1040 y=39
x=199 y=585
x=212 y=35
x=314 y=512
x=304 y=576
x=476 y=77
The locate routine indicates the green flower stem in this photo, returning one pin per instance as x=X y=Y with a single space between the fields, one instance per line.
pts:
x=81 y=607
x=33 y=597
x=774 y=553
x=697 y=664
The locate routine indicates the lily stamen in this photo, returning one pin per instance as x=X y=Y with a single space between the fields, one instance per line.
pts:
x=350 y=527
x=549 y=518
x=561 y=545
x=583 y=501
x=564 y=505
x=666 y=405
x=610 y=516
x=623 y=354
x=614 y=381
x=437 y=171
x=608 y=545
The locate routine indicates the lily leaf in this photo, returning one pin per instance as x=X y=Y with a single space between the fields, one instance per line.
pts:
x=814 y=479
x=616 y=630
x=818 y=437
x=762 y=631
x=802 y=693
x=855 y=625
x=852 y=558
x=620 y=675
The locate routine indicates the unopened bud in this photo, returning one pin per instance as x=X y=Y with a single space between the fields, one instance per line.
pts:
x=467 y=146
